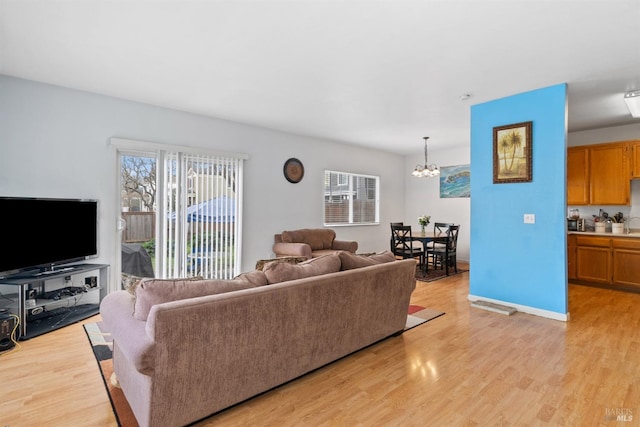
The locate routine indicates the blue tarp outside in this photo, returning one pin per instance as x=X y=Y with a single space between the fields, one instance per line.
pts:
x=219 y=210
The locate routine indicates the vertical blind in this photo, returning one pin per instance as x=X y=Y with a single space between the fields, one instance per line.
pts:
x=201 y=205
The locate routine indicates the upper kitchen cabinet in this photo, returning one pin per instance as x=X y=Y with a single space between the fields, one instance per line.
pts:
x=599 y=174
x=635 y=158
x=577 y=176
x=609 y=176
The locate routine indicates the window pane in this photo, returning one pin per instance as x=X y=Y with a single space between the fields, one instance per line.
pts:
x=350 y=198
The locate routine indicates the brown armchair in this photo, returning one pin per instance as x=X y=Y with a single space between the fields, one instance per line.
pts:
x=310 y=243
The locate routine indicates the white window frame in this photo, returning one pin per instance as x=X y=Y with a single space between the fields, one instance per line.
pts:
x=347 y=179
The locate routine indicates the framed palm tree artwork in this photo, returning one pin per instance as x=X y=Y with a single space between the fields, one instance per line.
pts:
x=512 y=153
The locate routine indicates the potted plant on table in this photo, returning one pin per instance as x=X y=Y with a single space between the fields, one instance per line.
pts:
x=424 y=221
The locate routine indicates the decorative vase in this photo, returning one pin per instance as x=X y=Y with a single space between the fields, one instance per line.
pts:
x=422 y=226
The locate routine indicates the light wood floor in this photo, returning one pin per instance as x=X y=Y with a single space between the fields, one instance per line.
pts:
x=469 y=367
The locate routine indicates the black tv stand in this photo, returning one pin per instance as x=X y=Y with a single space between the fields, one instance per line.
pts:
x=49 y=300
x=54 y=271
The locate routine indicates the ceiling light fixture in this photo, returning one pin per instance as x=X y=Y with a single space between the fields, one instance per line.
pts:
x=428 y=170
x=633 y=102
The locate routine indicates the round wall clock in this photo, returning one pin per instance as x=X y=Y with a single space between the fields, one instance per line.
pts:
x=293 y=170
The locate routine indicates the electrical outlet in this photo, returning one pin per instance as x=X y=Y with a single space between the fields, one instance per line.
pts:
x=529 y=218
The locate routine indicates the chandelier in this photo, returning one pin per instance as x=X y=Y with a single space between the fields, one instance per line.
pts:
x=428 y=170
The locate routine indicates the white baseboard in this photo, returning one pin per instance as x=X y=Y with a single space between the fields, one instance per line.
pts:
x=524 y=308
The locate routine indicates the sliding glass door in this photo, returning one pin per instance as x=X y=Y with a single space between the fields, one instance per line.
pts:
x=181 y=210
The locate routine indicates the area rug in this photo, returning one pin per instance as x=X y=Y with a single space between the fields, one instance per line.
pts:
x=102 y=347
x=436 y=274
x=419 y=315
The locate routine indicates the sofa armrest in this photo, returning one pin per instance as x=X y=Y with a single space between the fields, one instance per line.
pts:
x=292 y=249
x=116 y=310
x=345 y=245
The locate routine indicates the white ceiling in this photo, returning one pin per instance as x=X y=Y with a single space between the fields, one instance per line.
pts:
x=377 y=73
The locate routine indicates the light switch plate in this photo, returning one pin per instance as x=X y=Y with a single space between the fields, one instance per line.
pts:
x=529 y=218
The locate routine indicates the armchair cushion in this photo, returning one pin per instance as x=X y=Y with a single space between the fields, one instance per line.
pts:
x=282 y=249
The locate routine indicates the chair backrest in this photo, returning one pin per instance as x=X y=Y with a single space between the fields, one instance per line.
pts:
x=401 y=238
x=452 y=241
x=441 y=227
x=392 y=240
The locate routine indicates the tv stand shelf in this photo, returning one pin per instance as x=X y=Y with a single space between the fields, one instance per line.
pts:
x=49 y=300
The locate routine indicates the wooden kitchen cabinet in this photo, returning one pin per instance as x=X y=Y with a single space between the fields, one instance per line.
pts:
x=577 y=176
x=626 y=262
x=599 y=174
x=609 y=176
x=593 y=259
x=635 y=158
x=611 y=261
x=571 y=256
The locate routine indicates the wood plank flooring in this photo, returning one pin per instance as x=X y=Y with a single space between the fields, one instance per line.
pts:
x=470 y=367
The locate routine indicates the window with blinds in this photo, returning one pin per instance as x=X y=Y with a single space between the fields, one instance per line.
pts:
x=201 y=205
x=351 y=198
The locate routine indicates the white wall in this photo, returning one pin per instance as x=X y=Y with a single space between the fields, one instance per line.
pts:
x=55 y=144
x=423 y=195
x=599 y=136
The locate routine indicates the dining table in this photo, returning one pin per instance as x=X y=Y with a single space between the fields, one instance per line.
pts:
x=426 y=237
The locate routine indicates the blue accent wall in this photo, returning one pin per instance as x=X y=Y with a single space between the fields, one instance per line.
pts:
x=511 y=261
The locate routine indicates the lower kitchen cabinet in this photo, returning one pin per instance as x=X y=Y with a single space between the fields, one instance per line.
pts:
x=626 y=262
x=593 y=259
x=613 y=261
x=571 y=256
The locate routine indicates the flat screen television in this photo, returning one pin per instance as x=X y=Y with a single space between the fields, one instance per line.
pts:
x=46 y=233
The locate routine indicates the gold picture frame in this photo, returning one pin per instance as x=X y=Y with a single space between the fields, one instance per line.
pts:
x=512 y=153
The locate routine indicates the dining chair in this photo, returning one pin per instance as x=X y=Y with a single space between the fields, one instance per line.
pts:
x=438 y=228
x=396 y=224
x=446 y=255
x=402 y=245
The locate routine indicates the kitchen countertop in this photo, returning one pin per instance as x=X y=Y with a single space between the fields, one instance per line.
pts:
x=634 y=234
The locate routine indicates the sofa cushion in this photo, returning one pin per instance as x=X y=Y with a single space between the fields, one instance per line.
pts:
x=277 y=272
x=316 y=238
x=157 y=291
x=350 y=261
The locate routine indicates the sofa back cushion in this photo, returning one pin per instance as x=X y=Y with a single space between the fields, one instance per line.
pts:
x=277 y=272
x=317 y=238
x=150 y=292
x=350 y=261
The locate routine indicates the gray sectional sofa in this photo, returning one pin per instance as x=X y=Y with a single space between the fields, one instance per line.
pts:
x=184 y=350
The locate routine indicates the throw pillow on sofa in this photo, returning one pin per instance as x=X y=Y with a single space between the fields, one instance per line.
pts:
x=350 y=261
x=130 y=283
x=288 y=259
x=277 y=272
x=157 y=291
